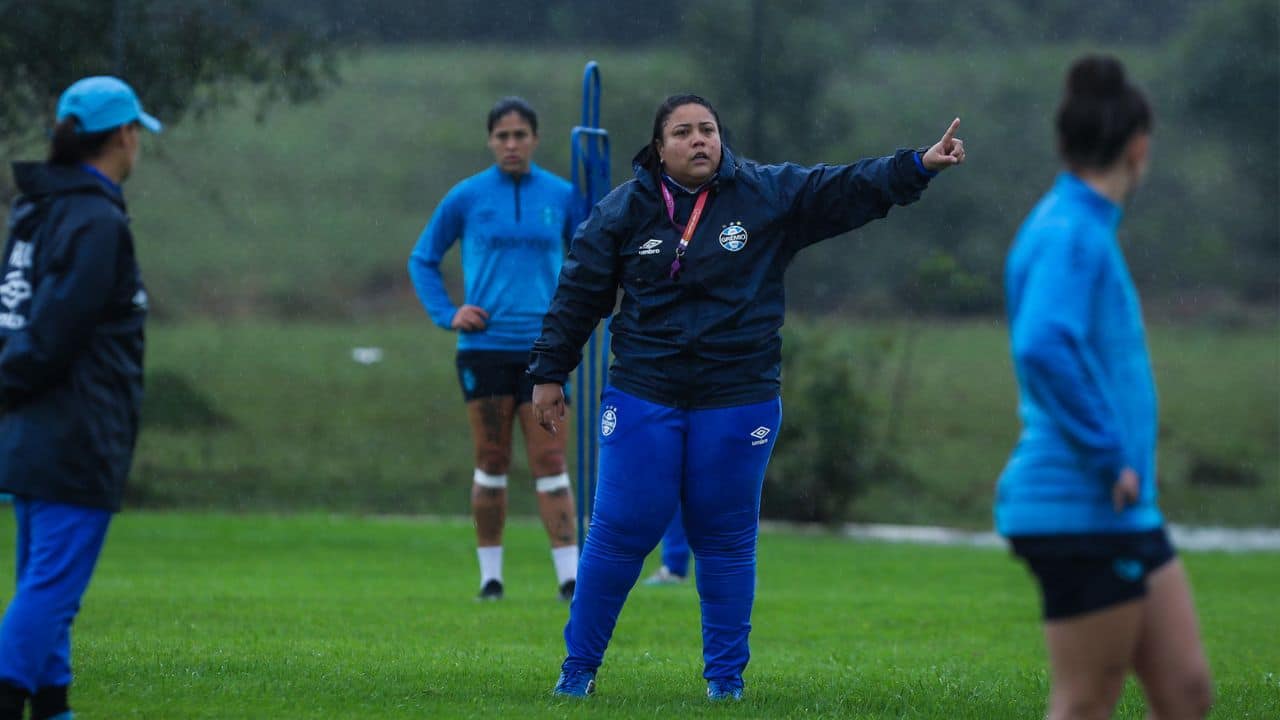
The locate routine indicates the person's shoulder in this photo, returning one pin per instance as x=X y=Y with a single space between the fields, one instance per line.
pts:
x=90 y=208
x=771 y=177
x=552 y=180
x=766 y=185
x=83 y=221
x=620 y=207
x=1052 y=231
x=624 y=198
x=468 y=188
x=485 y=178
x=748 y=169
x=1057 y=218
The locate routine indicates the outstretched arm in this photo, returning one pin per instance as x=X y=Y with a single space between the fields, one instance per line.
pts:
x=828 y=200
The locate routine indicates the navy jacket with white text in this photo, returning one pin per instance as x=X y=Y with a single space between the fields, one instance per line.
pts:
x=709 y=338
x=71 y=340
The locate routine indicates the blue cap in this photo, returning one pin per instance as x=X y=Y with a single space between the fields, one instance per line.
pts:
x=103 y=103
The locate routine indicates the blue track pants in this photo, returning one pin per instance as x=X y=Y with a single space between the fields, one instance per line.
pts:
x=58 y=546
x=653 y=459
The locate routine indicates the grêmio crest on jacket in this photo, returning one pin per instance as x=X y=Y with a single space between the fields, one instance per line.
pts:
x=733 y=237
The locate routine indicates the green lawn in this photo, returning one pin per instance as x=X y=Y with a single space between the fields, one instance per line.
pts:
x=258 y=416
x=258 y=616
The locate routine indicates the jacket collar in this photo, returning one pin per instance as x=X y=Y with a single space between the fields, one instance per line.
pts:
x=727 y=172
x=40 y=179
x=508 y=177
x=1072 y=187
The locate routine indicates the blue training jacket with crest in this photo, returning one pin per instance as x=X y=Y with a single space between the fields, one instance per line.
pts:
x=709 y=338
x=513 y=232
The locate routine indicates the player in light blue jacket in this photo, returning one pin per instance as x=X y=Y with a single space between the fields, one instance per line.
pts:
x=512 y=221
x=1077 y=499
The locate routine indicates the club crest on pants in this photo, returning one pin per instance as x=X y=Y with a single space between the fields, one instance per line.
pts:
x=608 y=420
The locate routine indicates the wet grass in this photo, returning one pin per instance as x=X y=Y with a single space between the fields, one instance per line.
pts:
x=279 y=417
x=240 y=616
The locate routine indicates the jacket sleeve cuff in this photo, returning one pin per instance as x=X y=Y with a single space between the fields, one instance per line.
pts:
x=915 y=155
x=444 y=320
x=1109 y=464
x=546 y=380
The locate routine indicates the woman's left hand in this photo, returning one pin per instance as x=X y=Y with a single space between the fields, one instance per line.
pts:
x=946 y=152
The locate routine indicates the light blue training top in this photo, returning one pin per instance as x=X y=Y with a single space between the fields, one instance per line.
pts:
x=1087 y=397
x=514 y=231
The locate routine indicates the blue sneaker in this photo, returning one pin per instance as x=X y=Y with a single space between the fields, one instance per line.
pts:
x=576 y=683
x=729 y=689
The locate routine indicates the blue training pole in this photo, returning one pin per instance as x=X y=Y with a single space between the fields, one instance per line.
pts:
x=590 y=174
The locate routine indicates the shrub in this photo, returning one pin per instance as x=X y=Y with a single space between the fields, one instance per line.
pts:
x=831 y=446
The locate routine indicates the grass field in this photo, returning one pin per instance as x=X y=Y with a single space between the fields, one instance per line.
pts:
x=256 y=616
x=278 y=417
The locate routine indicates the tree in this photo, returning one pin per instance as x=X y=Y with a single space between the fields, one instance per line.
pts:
x=1229 y=61
x=768 y=65
x=187 y=56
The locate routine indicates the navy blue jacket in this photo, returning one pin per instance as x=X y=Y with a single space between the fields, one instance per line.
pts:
x=711 y=337
x=72 y=309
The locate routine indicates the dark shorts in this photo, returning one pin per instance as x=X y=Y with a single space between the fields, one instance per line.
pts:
x=1083 y=573
x=495 y=373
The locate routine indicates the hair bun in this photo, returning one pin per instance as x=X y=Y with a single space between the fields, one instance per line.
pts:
x=1096 y=76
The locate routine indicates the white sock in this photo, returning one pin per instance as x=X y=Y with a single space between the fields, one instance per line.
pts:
x=566 y=560
x=490 y=563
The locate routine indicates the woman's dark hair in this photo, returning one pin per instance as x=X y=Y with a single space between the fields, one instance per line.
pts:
x=513 y=104
x=69 y=146
x=649 y=155
x=1100 y=111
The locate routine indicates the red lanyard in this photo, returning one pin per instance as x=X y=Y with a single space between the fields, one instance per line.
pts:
x=688 y=228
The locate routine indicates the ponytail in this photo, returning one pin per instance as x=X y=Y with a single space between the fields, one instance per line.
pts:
x=69 y=146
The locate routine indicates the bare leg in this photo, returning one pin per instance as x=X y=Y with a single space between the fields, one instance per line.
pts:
x=546 y=459
x=1089 y=657
x=1170 y=660
x=491 y=419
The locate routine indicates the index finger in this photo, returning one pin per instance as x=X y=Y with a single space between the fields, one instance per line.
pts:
x=483 y=313
x=951 y=131
x=544 y=420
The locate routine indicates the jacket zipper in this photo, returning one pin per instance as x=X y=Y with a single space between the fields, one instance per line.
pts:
x=517 y=193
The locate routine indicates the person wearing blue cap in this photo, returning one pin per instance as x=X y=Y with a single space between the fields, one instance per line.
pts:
x=72 y=310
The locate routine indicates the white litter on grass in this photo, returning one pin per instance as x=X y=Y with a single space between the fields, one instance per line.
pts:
x=1228 y=539
x=1184 y=538
x=367 y=355
x=922 y=535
